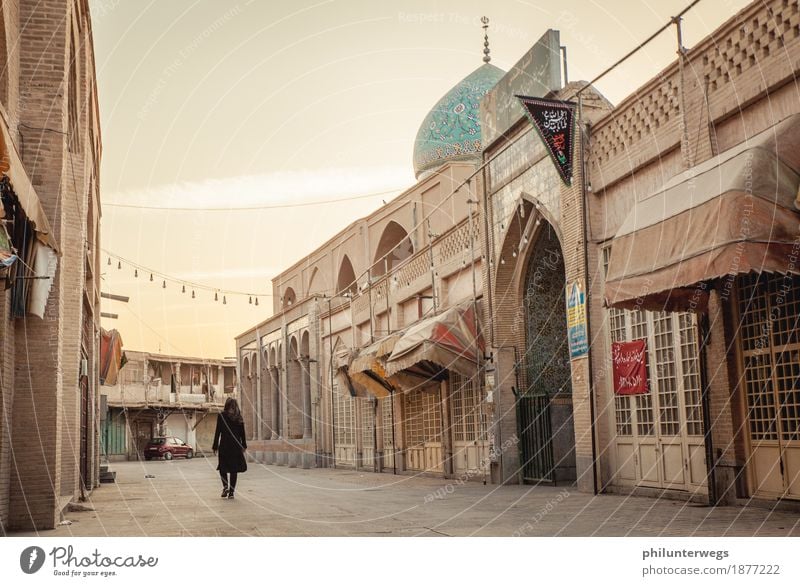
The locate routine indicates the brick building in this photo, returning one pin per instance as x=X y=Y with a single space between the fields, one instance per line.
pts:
x=159 y=395
x=49 y=332
x=680 y=226
x=685 y=234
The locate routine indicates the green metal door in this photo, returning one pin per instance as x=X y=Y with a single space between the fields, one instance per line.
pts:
x=535 y=433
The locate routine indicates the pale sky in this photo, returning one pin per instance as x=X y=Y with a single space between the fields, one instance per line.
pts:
x=223 y=104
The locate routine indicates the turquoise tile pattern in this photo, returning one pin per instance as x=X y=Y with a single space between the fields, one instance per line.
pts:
x=452 y=130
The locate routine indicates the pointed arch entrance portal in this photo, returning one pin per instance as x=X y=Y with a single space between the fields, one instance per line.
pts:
x=544 y=408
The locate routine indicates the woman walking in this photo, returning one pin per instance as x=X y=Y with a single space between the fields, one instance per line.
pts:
x=230 y=440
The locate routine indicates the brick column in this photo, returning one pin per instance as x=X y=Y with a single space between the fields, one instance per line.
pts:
x=275 y=388
x=305 y=378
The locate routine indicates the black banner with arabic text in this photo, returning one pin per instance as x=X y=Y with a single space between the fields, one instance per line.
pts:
x=554 y=120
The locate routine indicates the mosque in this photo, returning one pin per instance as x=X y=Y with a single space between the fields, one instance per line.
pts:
x=471 y=327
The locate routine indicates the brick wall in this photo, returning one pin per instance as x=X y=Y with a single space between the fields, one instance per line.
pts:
x=42 y=401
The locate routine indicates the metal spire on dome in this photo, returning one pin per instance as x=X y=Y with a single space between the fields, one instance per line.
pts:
x=485 y=21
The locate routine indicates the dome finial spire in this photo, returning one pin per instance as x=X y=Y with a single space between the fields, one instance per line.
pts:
x=485 y=21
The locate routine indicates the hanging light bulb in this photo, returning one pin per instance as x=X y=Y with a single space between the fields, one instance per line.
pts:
x=524 y=239
x=256 y=300
x=151 y=277
x=119 y=264
x=224 y=301
x=216 y=297
x=135 y=272
x=192 y=293
x=183 y=289
x=502 y=261
x=109 y=261
x=164 y=284
x=514 y=253
x=251 y=300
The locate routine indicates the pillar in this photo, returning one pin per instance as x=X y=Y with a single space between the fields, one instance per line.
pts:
x=305 y=379
x=447 y=438
x=276 y=402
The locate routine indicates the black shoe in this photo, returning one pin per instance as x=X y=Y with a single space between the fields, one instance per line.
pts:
x=230 y=494
x=225 y=493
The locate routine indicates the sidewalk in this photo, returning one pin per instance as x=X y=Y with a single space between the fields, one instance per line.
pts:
x=184 y=500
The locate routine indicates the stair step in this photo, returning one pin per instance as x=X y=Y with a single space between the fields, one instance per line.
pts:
x=108 y=476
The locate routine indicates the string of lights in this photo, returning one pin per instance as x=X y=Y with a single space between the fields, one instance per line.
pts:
x=186 y=287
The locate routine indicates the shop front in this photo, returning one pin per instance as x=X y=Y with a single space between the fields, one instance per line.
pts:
x=706 y=271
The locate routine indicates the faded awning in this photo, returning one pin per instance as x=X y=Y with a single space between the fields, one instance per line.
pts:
x=368 y=367
x=11 y=166
x=427 y=350
x=730 y=215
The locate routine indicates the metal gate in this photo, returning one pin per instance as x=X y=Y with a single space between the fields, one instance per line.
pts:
x=659 y=435
x=536 y=438
x=468 y=421
x=366 y=408
x=769 y=308
x=423 y=429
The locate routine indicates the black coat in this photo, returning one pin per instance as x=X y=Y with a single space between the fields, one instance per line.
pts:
x=230 y=441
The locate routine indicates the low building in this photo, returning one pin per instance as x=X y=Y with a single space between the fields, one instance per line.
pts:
x=158 y=395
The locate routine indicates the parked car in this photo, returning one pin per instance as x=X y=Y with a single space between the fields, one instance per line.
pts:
x=167 y=447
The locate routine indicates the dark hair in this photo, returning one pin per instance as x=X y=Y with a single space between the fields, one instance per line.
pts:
x=232 y=411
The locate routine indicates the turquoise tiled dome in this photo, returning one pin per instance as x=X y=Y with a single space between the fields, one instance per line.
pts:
x=452 y=129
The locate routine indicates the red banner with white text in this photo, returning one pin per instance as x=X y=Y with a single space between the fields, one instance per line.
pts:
x=629 y=360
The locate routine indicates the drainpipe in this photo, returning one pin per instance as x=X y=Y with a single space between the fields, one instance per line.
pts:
x=704 y=336
x=333 y=406
x=585 y=205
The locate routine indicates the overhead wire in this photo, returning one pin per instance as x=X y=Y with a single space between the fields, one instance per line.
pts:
x=252 y=208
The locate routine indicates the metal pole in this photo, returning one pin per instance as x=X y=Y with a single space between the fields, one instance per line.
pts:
x=433 y=277
x=388 y=286
x=585 y=202
x=477 y=382
x=333 y=406
x=371 y=316
x=394 y=445
x=704 y=335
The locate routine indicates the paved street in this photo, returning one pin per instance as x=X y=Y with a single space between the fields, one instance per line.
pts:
x=183 y=499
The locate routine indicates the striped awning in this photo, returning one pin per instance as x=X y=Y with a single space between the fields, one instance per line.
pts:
x=368 y=368
x=731 y=215
x=430 y=348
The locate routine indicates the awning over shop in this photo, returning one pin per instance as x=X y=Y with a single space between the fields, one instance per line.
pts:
x=449 y=341
x=730 y=215
x=11 y=166
x=343 y=382
x=368 y=368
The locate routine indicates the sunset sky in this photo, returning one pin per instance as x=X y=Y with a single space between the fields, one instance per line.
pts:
x=216 y=104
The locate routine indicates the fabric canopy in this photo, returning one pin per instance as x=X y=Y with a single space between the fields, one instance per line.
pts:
x=367 y=368
x=11 y=166
x=730 y=215
x=449 y=341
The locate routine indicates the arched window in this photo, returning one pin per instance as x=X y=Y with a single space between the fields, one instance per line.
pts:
x=393 y=247
x=346 y=282
x=289 y=297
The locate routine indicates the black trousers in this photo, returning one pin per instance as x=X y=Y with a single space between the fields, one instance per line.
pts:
x=225 y=483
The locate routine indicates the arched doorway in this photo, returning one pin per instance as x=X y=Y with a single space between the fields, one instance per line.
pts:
x=545 y=406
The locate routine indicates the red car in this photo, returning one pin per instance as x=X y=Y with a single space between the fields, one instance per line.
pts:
x=167 y=448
